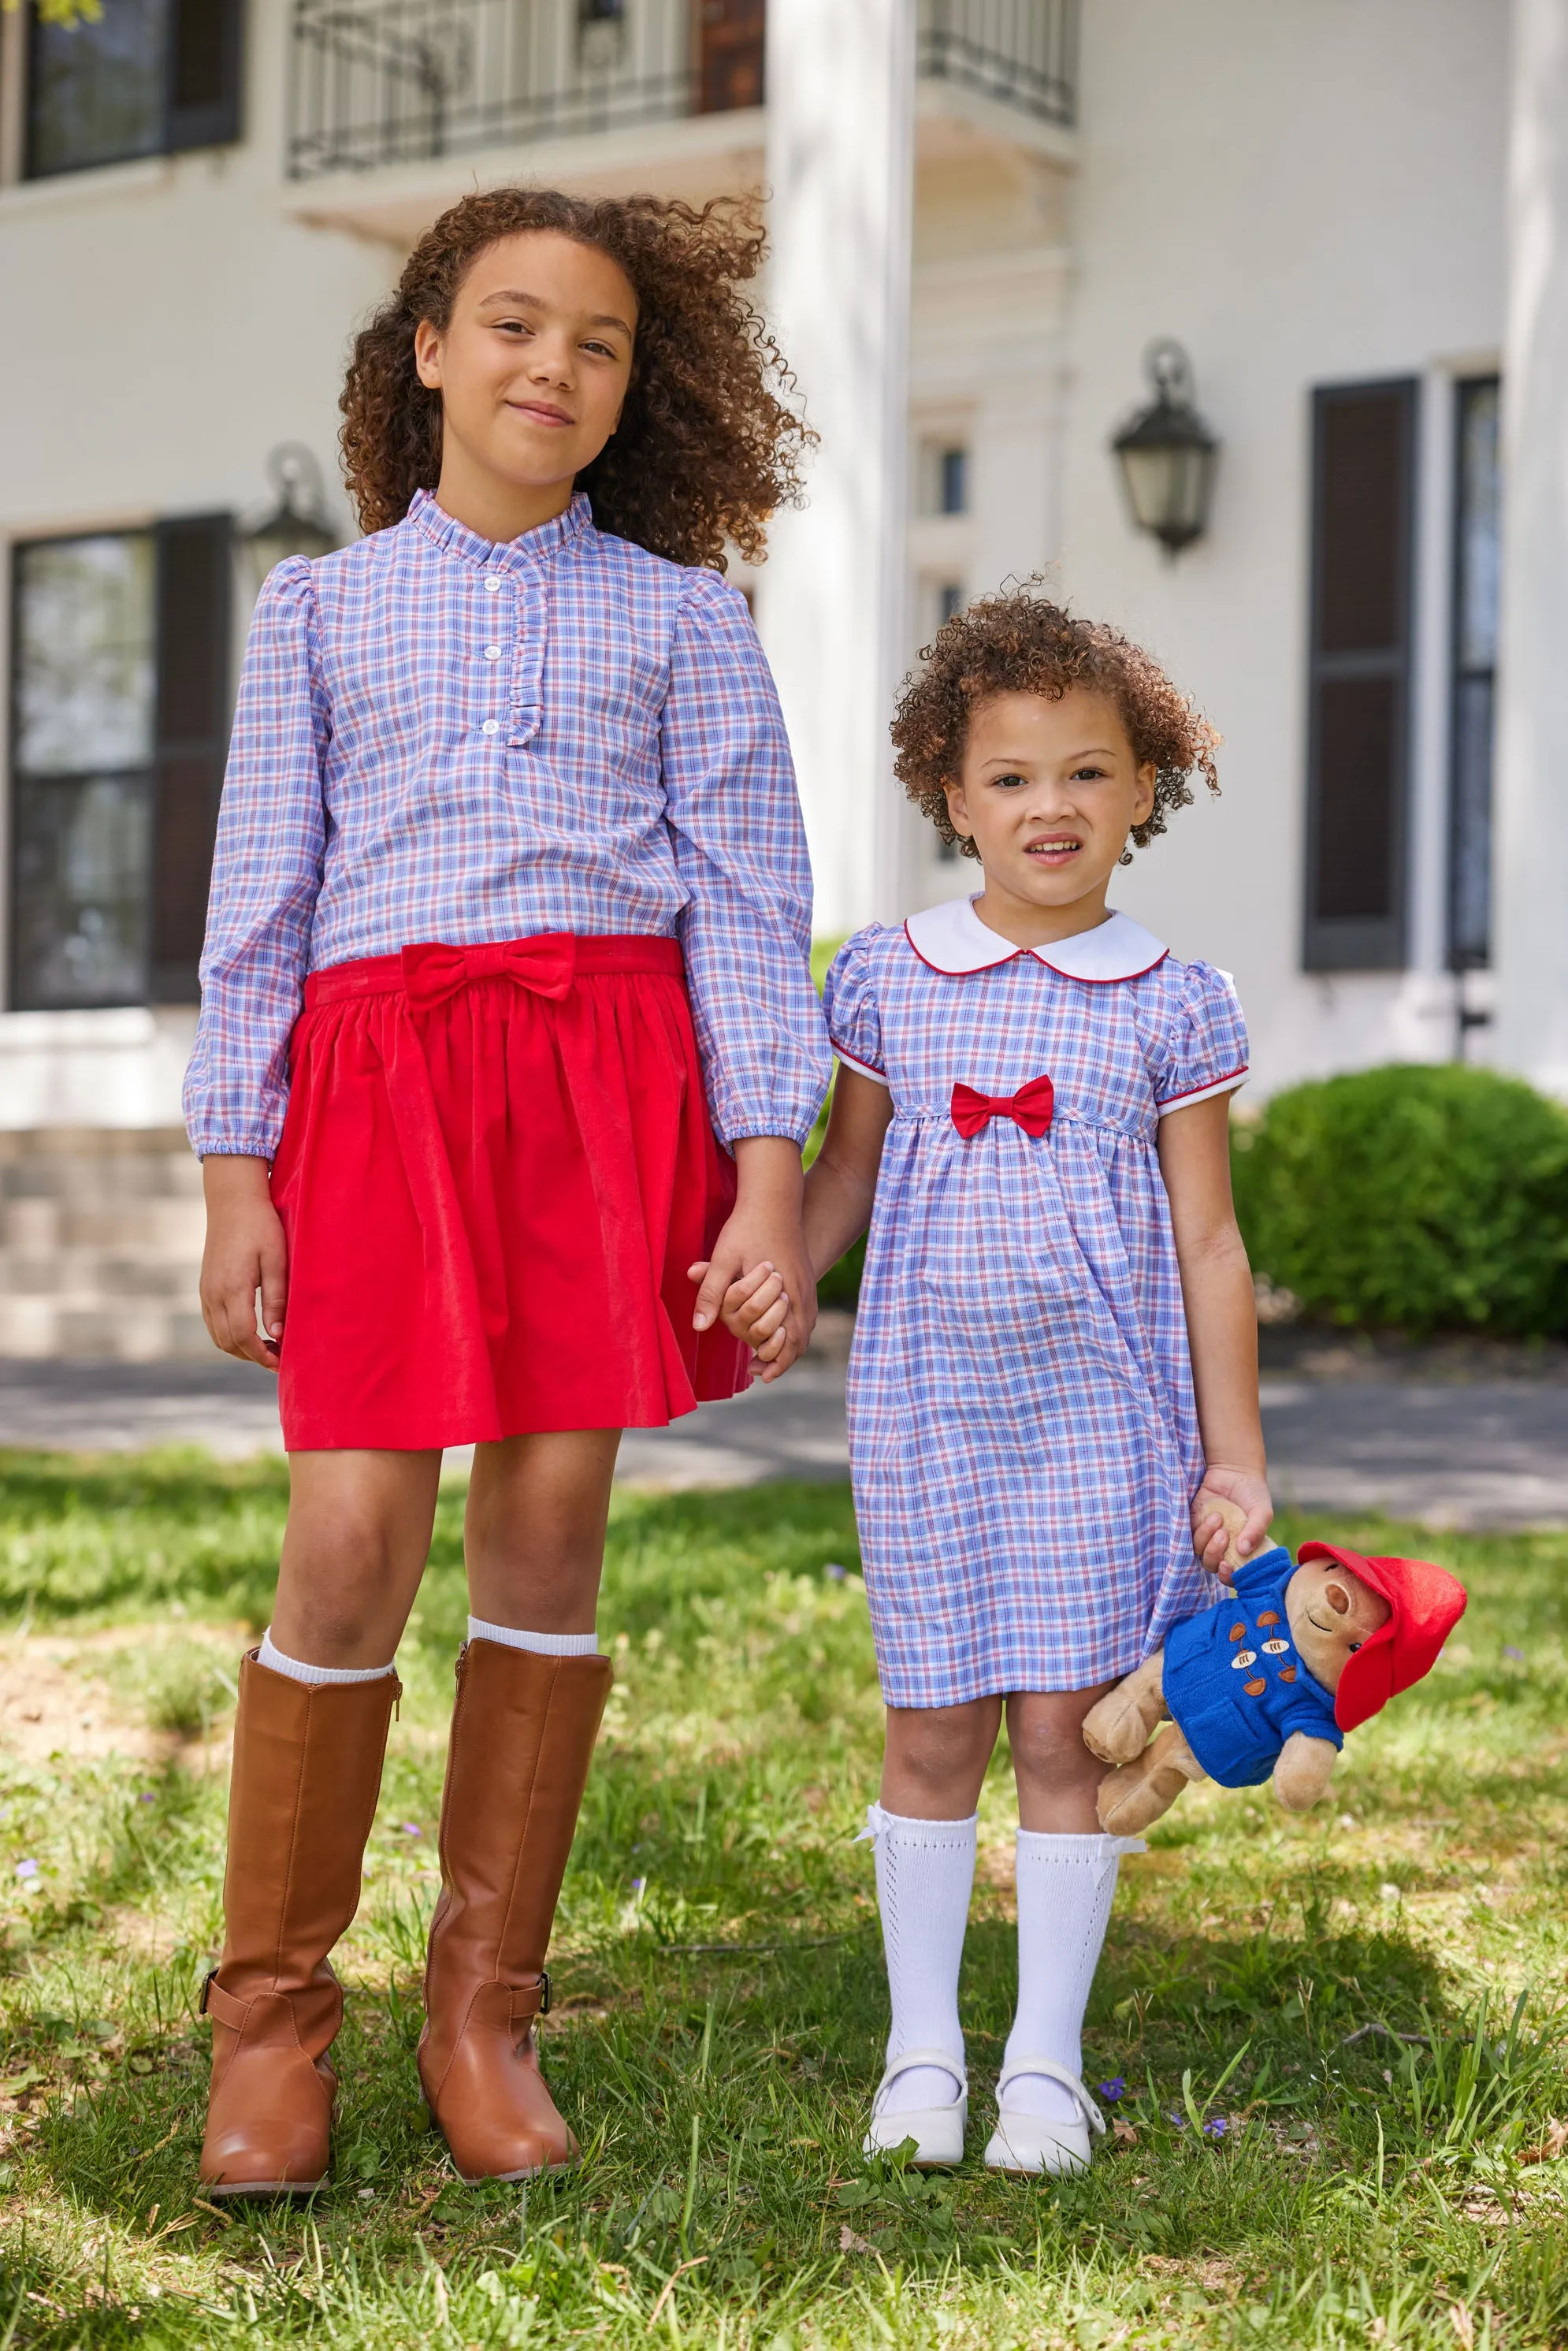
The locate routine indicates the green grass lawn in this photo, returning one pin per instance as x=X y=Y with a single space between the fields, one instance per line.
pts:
x=1368 y=2001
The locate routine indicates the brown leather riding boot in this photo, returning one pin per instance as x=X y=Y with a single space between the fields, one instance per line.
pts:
x=522 y=1735
x=302 y=1796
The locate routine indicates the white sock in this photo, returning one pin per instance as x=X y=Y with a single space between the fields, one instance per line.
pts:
x=543 y=1644
x=924 y=1875
x=297 y=1671
x=1065 y=1888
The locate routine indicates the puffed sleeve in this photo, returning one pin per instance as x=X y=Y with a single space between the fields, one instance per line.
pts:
x=848 y=999
x=1204 y=1046
x=266 y=877
x=740 y=851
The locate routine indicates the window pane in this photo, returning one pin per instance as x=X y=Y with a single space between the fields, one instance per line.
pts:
x=98 y=88
x=1480 y=507
x=82 y=852
x=85 y=687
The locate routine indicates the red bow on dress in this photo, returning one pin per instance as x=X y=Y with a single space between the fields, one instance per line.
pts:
x=1030 y=1108
x=545 y=963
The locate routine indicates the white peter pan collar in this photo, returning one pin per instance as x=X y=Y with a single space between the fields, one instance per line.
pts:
x=951 y=938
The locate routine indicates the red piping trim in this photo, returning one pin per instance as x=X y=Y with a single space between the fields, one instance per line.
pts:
x=854 y=1062
x=1211 y=1086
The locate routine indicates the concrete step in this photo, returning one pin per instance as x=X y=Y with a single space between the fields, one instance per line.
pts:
x=101 y=1243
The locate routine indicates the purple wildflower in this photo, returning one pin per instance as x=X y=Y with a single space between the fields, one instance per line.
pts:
x=1111 y=2091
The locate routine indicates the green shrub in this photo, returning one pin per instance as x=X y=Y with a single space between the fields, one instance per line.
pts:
x=1414 y=1198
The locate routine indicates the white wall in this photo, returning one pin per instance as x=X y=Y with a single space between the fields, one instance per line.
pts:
x=176 y=325
x=1301 y=193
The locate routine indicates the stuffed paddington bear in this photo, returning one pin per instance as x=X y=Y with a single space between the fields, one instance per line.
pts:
x=1267 y=1683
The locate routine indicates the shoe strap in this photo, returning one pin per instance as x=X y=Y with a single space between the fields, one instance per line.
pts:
x=943 y=2059
x=1054 y=2072
x=224 y=2006
x=530 y=2000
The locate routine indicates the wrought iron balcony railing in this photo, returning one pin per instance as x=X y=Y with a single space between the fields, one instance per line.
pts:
x=375 y=82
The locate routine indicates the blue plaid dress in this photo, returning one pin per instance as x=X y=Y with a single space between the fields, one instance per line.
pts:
x=1023 y=1438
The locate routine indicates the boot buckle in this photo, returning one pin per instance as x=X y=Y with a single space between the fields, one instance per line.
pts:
x=544 y=1991
x=208 y=1980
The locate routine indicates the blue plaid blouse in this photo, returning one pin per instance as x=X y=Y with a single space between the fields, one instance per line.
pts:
x=440 y=739
x=1023 y=1438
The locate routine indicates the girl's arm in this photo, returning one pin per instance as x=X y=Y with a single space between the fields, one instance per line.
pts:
x=739 y=847
x=1222 y=1326
x=841 y=1186
x=267 y=876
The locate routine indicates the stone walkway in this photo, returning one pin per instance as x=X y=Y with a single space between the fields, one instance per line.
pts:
x=1480 y=1452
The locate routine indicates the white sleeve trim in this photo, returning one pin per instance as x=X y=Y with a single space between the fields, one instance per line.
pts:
x=861 y=1068
x=1226 y=1085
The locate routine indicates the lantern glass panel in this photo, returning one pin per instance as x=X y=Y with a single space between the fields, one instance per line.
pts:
x=1168 y=487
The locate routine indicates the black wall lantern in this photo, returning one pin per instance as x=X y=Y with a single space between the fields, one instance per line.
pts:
x=1167 y=453
x=298 y=522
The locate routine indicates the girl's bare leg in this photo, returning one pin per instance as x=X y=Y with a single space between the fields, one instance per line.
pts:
x=534 y=1535
x=933 y=1765
x=1057 y=1776
x=353 y=1552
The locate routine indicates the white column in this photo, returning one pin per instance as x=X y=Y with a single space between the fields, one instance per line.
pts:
x=1532 y=803
x=841 y=104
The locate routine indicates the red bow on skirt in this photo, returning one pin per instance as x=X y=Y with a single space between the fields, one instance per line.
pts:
x=1030 y=1108
x=545 y=963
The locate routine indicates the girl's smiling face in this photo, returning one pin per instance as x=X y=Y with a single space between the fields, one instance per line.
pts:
x=532 y=368
x=1048 y=792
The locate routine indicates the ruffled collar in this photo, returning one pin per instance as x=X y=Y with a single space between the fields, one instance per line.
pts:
x=533 y=546
x=951 y=938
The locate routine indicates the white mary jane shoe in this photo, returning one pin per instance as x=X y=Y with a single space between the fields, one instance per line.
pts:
x=937 y=2131
x=1037 y=2143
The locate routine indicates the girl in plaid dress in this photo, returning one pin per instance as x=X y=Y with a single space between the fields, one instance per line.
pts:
x=507 y=1027
x=1054 y=1385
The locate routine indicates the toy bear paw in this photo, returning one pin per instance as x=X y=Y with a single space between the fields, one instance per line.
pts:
x=1141 y=1792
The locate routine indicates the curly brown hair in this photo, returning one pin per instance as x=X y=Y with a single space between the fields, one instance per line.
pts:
x=1020 y=642
x=708 y=446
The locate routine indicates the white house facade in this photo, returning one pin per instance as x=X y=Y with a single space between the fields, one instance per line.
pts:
x=1352 y=216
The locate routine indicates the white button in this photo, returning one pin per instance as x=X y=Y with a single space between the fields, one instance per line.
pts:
x=492 y=652
x=491 y=727
x=491 y=586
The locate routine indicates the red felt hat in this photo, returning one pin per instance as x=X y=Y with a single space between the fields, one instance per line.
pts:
x=1424 y=1604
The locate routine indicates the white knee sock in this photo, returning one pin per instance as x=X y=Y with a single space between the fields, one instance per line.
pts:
x=925 y=1874
x=297 y=1671
x=1065 y=1888
x=543 y=1644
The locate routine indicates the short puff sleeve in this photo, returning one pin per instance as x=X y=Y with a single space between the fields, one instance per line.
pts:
x=1205 y=1044
x=848 y=999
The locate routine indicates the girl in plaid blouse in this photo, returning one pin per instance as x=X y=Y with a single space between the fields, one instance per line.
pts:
x=507 y=1032
x=1053 y=1397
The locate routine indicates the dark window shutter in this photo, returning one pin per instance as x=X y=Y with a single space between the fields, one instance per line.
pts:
x=730 y=54
x=205 y=45
x=1358 y=743
x=194 y=559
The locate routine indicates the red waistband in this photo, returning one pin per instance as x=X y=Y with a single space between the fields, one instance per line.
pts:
x=583 y=954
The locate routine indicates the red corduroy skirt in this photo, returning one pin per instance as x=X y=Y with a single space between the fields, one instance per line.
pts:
x=496 y=1169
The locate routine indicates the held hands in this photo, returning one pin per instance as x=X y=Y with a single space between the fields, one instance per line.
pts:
x=758 y=1281
x=1231 y=1516
x=245 y=1252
